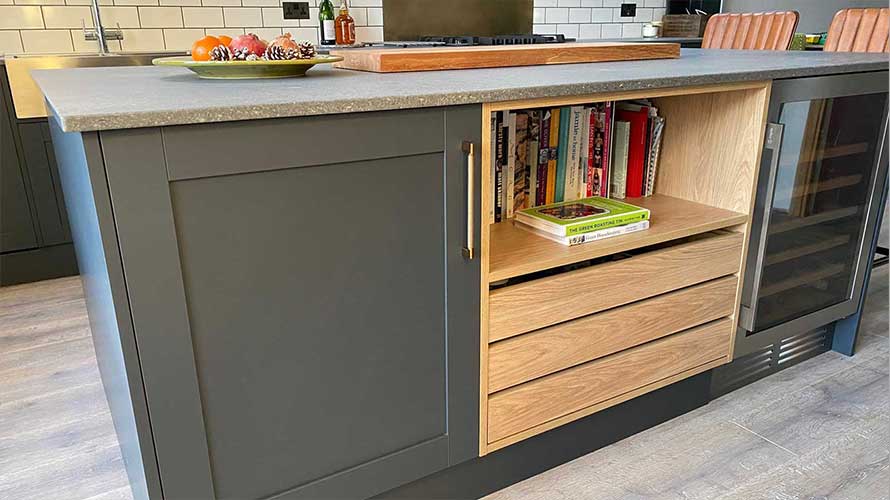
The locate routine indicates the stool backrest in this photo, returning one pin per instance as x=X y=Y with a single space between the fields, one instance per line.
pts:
x=859 y=30
x=751 y=30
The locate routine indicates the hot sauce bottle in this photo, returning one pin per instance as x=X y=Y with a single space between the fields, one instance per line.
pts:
x=344 y=26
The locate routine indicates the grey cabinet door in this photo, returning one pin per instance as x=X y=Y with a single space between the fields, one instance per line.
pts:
x=310 y=315
x=40 y=163
x=17 y=228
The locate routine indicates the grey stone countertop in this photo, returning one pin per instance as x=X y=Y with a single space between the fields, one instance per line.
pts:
x=131 y=97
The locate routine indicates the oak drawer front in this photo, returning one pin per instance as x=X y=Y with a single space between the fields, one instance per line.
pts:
x=542 y=352
x=534 y=403
x=547 y=301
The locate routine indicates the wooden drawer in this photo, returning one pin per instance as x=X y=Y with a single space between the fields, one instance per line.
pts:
x=542 y=352
x=553 y=400
x=529 y=306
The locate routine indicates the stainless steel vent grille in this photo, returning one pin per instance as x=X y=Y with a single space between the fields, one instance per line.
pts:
x=771 y=359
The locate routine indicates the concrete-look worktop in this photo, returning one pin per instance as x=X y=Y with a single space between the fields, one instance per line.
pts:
x=132 y=97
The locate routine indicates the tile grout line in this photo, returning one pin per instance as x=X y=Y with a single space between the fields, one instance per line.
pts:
x=764 y=438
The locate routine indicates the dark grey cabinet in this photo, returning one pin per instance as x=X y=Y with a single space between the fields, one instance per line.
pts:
x=306 y=319
x=35 y=240
x=40 y=163
x=17 y=227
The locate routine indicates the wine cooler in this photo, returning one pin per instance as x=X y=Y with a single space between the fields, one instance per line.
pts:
x=823 y=170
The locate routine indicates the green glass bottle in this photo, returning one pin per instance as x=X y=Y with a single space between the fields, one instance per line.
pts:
x=327 y=33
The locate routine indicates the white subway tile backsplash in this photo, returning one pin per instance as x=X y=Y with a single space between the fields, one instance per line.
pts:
x=556 y=15
x=631 y=30
x=375 y=16
x=274 y=17
x=643 y=16
x=20 y=17
x=611 y=31
x=221 y=3
x=136 y=3
x=359 y=15
x=11 y=42
x=601 y=15
x=67 y=16
x=202 y=17
x=126 y=17
x=47 y=41
x=590 y=31
x=578 y=16
x=142 y=40
x=569 y=30
x=267 y=34
x=261 y=3
x=243 y=17
x=160 y=17
x=313 y=18
x=182 y=3
x=301 y=34
x=173 y=24
x=369 y=33
x=32 y=2
x=181 y=39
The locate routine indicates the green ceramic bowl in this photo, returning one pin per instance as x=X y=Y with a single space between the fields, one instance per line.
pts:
x=246 y=69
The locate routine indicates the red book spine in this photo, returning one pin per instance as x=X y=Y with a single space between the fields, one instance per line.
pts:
x=607 y=150
x=591 y=161
x=543 y=157
x=637 y=150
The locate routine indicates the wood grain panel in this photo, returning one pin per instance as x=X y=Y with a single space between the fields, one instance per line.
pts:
x=712 y=147
x=445 y=58
x=515 y=251
x=542 y=352
x=547 y=301
x=539 y=401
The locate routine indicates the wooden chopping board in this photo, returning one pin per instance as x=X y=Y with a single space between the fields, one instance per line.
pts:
x=443 y=58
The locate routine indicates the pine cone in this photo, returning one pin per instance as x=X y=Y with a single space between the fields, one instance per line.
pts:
x=241 y=54
x=306 y=50
x=220 y=53
x=276 y=53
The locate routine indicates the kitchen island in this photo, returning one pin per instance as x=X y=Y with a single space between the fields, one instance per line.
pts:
x=296 y=291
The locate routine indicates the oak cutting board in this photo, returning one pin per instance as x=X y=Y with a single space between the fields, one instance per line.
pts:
x=444 y=58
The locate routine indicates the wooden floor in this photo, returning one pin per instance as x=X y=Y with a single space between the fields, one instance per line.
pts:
x=817 y=430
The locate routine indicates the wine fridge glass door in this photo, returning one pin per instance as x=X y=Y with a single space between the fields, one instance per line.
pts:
x=822 y=190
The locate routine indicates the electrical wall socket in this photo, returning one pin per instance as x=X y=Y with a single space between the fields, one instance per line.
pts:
x=628 y=10
x=295 y=10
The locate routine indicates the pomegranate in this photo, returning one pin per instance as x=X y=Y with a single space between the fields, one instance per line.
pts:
x=247 y=46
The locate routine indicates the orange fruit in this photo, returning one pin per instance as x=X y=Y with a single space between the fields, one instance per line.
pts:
x=202 y=47
x=224 y=40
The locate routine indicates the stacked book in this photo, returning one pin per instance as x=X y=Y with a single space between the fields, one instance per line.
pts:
x=552 y=155
x=584 y=220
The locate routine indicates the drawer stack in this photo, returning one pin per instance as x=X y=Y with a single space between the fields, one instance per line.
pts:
x=564 y=346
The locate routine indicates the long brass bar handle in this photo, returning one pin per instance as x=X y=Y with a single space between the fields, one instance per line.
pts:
x=469 y=250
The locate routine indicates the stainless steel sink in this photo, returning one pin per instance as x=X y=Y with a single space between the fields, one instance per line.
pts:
x=26 y=96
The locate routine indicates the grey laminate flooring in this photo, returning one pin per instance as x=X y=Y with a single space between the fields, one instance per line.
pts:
x=817 y=430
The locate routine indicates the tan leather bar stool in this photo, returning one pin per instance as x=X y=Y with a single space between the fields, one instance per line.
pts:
x=751 y=30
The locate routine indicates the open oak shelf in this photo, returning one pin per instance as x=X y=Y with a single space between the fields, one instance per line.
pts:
x=516 y=251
